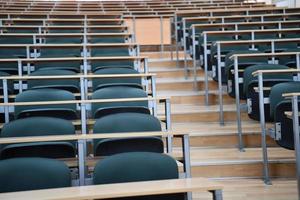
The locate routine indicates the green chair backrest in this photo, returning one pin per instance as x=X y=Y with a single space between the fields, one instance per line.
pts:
x=19 y=52
x=71 y=85
x=114 y=92
x=106 y=39
x=104 y=82
x=127 y=122
x=60 y=52
x=20 y=174
x=111 y=63
x=135 y=166
x=64 y=40
x=66 y=111
x=59 y=65
x=10 y=86
x=7 y=39
x=38 y=126
x=249 y=79
x=110 y=51
x=276 y=94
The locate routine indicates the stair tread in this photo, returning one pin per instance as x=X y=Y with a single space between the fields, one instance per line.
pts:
x=222 y=156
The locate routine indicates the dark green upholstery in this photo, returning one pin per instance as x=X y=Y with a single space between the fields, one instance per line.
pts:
x=10 y=85
x=137 y=166
x=111 y=63
x=251 y=81
x=269 y=80
x=20 y=174
x=114 y=92
x=107 y=30
x=65 y=111
x=9 y=67
x=13 y=52
x=64 y=39
x=106 y=39
x=38 y=126
x=109 y=51
x=6 y=39
x=242 y=64
x=61 y=65
x=277 y=111
x=65 y=30
x=60 y=52
x=105 y=82
x=21 y=30
x=71 y=85
x=127 y=122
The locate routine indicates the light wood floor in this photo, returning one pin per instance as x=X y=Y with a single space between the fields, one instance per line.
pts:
x=254 y=189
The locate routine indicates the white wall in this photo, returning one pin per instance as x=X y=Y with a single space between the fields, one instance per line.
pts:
x=287 y=3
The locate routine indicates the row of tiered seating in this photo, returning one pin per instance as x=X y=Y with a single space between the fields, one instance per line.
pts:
x=58 y=92
x=256 y=59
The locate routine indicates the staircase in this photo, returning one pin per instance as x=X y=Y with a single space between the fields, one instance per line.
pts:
x=214 y=150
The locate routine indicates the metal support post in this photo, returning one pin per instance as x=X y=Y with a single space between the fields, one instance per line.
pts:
x=219 y=69
x=263 y=130
x=194 y=58
x=168 y=125
x=161 y=36
x=237 y=102
x=217 y=194
x=205 y=68
x=5 y=100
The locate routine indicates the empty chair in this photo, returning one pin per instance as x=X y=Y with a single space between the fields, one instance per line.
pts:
x=60 y=52
x=250 y=82
x=20 y=174
x=278 y=106
x=98 y=64
x=115 y=92
x=110 y=51
x=243 y=62
x=68 y=39
x=13 y=52
x=71 y=85
x=10 y=86
x=38 y=126
x=8 y=39
x=127 y=122
x=106 y=39
x=61 y=65
x=137 y=166
x=105 y=82
x=65 y=111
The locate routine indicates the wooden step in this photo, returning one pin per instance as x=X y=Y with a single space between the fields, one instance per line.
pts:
x=168 y=63
x=230 y=162
x=254 y=189
x=193 y=97
x=162 y=72
x=198 y=113
x=183 y=84
x=214 y=135
x=162 y=55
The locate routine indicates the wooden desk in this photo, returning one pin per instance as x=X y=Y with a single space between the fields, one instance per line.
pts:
x=108 y=191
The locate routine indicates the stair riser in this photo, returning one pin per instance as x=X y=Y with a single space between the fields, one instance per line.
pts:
x=200 y=99
x=176 y=74
x=184 y=86
x=285 y=170
x=205 y=117
x=224 y=141
x=169 y=63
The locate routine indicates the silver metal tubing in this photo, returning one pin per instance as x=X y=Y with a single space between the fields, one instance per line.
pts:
x=238 y=106
x=205 y=68
x=296 y=138
x=20 y=73
x=221 y=111
x=263 y=130
x=176 y=40
x=161 y=36
x=217 y=194
x=153 y=88
x=186 y=155
x=184 y=49
x=168 y=125
x=5 y=100
x=194 y=58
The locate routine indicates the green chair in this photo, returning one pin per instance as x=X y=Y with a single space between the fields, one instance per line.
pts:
x=109 y=51
x=13 y=52
x=269 y=80
x=38 y=126
x=242 y=64
x=7 y=39
x=71 y=85
x=64 y=39
x=114 y=92
x=127 y=122
x=59 y=65
x=10 y=86
x=278 y=106
x=60 y=52
x=106 y=39
x=111 y=63
x=20 y=174
x=137 y=166
x=106 y=82
x=65 y=111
